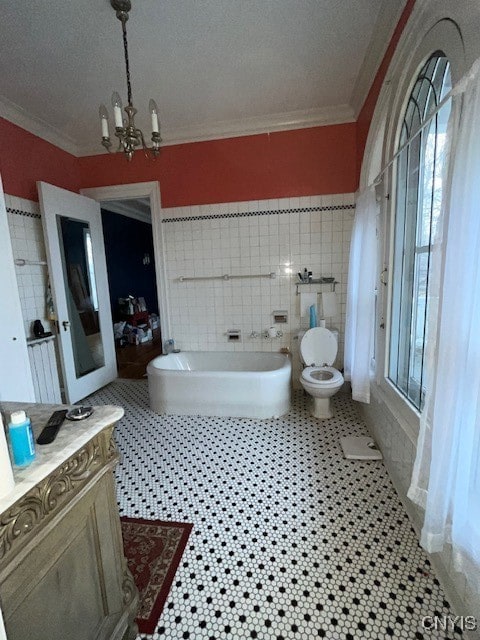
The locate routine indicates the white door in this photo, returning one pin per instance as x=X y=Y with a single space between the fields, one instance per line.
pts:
x=72 y=227
x=16 y=382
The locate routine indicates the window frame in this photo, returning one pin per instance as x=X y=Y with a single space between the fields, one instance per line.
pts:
x=409 y=243
x=443 y=35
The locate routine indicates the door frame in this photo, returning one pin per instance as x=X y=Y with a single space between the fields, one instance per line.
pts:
x=149 y=190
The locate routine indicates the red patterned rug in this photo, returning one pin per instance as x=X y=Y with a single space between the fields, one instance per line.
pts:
x=153 y=550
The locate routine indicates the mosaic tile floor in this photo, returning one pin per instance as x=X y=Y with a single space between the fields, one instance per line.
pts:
x=290 y=540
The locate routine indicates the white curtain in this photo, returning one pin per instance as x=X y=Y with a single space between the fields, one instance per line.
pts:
x=360 y=312
x=446 y=477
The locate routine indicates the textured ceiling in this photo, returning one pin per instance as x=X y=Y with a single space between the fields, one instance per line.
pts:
x=215 y=67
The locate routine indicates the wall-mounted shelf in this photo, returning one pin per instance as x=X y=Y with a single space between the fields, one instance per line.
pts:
x=31 y=342
x=327 y=280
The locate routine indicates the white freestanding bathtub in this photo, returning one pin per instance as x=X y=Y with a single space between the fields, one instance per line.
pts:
x=235 y=384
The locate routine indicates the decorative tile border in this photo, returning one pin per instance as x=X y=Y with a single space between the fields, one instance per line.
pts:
x=19 y=212
x=267 y=212
x=243 y=214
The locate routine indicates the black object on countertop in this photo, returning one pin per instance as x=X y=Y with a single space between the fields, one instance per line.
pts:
x=49 y=432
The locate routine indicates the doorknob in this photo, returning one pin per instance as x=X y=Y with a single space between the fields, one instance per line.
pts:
x=66 y=324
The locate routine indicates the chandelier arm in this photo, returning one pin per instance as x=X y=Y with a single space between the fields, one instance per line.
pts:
x=107 y=144
x=120 y=133
x=139 y=134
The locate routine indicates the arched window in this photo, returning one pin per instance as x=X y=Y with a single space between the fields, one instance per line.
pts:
x=417 y=210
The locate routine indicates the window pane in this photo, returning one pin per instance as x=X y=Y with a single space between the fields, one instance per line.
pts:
x=417 y=210
x=418 y=327
x=426 y=187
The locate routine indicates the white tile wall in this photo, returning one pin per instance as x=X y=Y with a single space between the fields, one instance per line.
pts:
x=28 y=243
x=284 y=243
x=202 y=312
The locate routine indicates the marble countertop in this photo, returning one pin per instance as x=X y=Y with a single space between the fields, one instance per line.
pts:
x=73 y=435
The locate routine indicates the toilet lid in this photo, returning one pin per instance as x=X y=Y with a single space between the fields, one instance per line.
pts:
x=318 y=347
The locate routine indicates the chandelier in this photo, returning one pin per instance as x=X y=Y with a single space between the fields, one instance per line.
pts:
x=127 y=133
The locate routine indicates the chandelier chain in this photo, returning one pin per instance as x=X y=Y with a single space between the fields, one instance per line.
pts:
x=127 y=61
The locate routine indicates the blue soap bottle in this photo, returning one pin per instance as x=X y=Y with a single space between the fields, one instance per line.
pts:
x=21 y=439
x=313 y=316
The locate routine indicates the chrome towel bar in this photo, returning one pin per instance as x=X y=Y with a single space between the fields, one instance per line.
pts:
x=21 y=262
x=226 y=276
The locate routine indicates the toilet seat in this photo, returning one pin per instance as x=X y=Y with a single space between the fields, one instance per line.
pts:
x=310 y=375
x=318 y=347
x=318 y=350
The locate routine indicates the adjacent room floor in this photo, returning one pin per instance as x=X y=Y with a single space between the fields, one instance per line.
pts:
x=132 y=359
x=290 y=540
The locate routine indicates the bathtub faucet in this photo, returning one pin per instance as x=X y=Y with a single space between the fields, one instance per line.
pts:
x=169 y=346
x=272 y=333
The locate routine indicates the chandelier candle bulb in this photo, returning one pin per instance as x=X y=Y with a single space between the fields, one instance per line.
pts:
x=117 y=109
x=104 y=120
x=154 y=113
x=105 y=133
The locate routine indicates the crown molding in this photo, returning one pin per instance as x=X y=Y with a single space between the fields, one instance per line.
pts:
x=304 y=119
x=325 y=116
x=385 y=26
x=15 y=114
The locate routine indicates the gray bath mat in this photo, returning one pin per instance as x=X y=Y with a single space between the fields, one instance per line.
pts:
x=360 y=448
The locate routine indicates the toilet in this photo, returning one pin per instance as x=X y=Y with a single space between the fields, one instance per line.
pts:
x=318 y=350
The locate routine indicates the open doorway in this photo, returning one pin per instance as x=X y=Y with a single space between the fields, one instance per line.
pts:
x=149 y=194
x=129 y=253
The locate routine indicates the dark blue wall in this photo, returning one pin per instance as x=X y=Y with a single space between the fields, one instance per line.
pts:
x=126 y=242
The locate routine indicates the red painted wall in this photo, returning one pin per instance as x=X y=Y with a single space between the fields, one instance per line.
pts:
x=25 y=158
x=319 y=160
x=366 y=114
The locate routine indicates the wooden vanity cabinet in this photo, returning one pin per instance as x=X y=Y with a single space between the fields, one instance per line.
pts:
x=63 y=574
